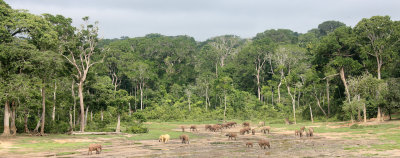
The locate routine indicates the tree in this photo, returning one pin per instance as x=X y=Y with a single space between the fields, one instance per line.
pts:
x=281 y=36
x=329 y=26
x=226 y=46
x=338 y=50
x=377 y=37
x=260 y=51
x=291 y=65
x=65 y=30
x=142 y=74
x=225 y=85
x=81 y=54
x=189 y=92
x=40 y=34
x=204 y=81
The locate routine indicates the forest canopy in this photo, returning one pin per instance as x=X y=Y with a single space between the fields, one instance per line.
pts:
x=57 y=78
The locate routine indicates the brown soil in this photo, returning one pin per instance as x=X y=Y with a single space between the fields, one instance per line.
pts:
x=216 y=144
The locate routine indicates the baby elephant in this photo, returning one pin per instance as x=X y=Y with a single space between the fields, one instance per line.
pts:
x=311 y=131
x=231 y=136
x=264 y=143
x=302 y=128
x=249 y=144
x=93 y=147
x=246 y=124
x=253 y=131
x=184 y=138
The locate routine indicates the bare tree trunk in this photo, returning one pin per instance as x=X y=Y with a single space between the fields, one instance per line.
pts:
x=141 y=97
x=351 y=117
x=70 y=120
x=272 y=98
x=378 y=117
x=258 y=84
x=53 y=116
x=365 y=112
x=216 y=70
x=26 y=121
x=279 y=91
x=86 y=116
x=73 y=96
x=189 y=101
x=293 y=102
x=130 y=110
x=279 y=86
x=225 y=106
x=80 y=94
x=312 y=118
x=43 y=110
x=327 y=96
x=118 y=129
x=36 y=130
x=298 y=99
x=319 y=105
x=342 y=76
x=13 y=116
x=101 y=112
x=206 y=99
x=135 y=96
x=6 y=131
x=379 y=67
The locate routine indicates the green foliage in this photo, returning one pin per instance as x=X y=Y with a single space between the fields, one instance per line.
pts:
x=156 y=77
x=329 y=26
x=136 y=129
x=356 y=126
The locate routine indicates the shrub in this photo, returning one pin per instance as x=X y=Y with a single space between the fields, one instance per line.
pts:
x=356 y=126
x=137 y=129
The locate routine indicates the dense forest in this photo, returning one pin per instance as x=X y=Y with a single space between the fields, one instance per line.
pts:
x=57 y=78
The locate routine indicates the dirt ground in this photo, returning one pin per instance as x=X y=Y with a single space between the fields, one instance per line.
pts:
x=215 y=144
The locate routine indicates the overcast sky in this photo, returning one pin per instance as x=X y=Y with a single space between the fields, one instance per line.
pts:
x=203 y=19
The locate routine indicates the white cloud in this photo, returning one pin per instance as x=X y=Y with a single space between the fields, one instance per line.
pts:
x=208 y=18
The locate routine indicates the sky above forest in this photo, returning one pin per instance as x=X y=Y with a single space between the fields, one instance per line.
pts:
x=203 y=19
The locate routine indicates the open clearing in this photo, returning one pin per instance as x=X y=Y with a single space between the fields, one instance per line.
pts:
x=330 y=140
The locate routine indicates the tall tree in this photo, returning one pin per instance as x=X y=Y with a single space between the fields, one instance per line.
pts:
x=378 y=37
x=329 y=26
x=81 y=54
x=225 y=46
x=225 y=86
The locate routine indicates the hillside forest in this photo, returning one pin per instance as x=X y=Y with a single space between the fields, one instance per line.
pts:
x=56 y=78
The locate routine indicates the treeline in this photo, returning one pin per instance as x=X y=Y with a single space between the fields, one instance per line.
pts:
x=58 y=78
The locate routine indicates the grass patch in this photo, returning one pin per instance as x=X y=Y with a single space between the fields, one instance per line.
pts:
x=395 y=136
x=356 y=147
x=360 y=129
x=66 y=153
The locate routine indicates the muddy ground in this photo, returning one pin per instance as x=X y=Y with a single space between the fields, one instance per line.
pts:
x=216 y=144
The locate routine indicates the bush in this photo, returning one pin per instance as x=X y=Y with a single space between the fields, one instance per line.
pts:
x=56 y=126
x=356 y=126
x=139 y=117
x=137 y=129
